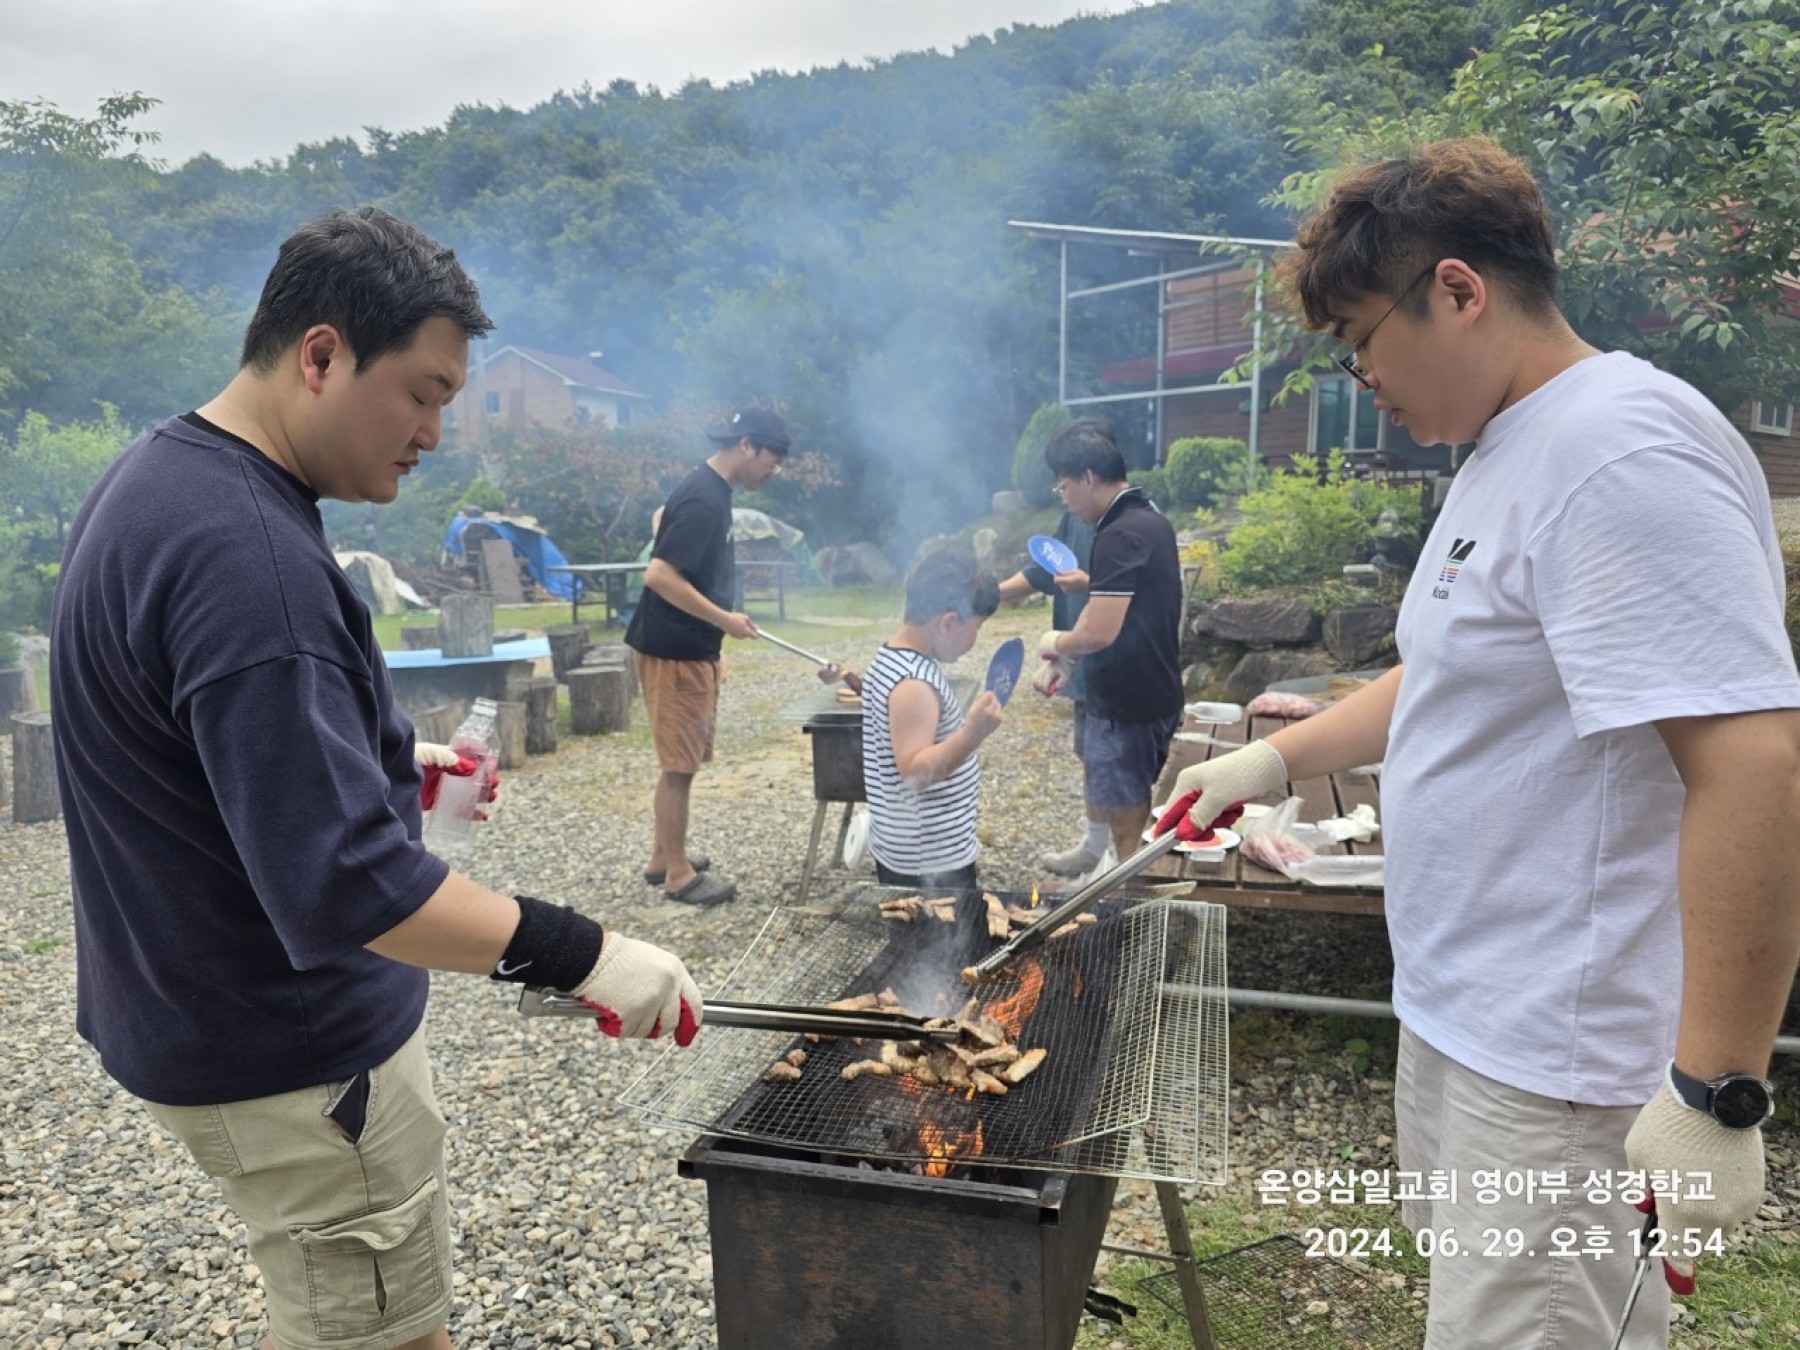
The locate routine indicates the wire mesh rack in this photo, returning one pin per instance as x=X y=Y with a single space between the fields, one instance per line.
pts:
x=1131 y=1010
x=1272 y=1294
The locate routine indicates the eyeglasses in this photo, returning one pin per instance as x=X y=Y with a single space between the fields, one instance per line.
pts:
x=1349 y=363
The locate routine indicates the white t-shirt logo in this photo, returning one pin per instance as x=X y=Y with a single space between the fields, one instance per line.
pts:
x=1458 y=555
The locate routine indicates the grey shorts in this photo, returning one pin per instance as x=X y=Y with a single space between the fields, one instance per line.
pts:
x=1122 y=760
x=353 y=1239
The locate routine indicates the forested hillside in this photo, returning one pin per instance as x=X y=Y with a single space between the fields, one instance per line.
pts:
x=835 y=242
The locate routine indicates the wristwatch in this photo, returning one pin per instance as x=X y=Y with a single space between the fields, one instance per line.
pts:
x=1738 y=1101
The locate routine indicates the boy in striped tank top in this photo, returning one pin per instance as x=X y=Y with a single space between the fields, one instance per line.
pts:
x=919 y=762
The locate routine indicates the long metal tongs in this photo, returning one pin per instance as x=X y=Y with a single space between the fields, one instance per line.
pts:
x=794 y=1018
x=1040 y=932
x=814 y=657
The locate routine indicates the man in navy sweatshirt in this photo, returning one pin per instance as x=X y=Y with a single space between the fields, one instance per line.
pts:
x=254 y=913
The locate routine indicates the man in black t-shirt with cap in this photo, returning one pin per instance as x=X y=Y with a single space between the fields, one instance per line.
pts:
x=678 y=629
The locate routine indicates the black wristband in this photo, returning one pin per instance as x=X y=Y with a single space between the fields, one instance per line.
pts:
x=553 y=946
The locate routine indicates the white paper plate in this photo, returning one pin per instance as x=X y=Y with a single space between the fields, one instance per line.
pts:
x=856 y=839
x=1227 y=839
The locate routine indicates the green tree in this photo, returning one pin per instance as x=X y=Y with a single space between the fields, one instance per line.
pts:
x=1030 y=475
x=85 y=320
x=1665 y=134
x=46 y=470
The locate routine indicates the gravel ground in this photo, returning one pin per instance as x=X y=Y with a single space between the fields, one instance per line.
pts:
x=573 y=1228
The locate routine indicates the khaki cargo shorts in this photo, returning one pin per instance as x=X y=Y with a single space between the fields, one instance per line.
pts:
x=353 y=1240
x=683 y=699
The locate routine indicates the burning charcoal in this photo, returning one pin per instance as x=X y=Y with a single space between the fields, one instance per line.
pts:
x=986 y=1083
x=866 y=1068
x=796 y=1057
x=999 y=926
x=1018 y=1071
x=999 y=1056
x=782 y=1072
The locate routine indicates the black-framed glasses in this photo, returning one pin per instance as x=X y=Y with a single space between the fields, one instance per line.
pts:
x=1349 y=363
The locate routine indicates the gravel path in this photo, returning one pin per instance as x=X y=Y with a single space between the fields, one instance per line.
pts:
x=572 y=1226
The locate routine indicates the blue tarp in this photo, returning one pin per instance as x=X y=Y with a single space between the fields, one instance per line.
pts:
x=533 y=546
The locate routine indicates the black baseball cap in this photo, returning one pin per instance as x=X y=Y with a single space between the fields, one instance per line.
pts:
x=765 y=429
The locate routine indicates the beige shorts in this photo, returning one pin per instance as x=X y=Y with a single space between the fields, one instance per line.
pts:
x=353 y=1240
x=683 y=699
x=1504 y=1288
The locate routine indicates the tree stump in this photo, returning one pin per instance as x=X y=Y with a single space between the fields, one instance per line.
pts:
x=509 y=730
x=599 y=700
x=613 y=654
x=540 y=715
x=566 y=645
x=34 y=769
x=466 y=625
x=419 y=639
x=438 y=724
x=18 y=694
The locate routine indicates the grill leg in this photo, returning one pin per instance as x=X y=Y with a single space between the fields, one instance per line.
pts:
x=837 y=854
x=812 y=851
x=1181 y=1247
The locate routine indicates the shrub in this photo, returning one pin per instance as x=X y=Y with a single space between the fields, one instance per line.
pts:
x=1155 y=483
x=9 y=650
x=1030 y=475
x=1302 y=527
x=1205 y=470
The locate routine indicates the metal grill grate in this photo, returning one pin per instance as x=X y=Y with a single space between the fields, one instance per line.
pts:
x=1271 y=1295
x=1131 y=1010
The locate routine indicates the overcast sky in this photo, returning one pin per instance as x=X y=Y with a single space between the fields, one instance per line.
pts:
x=246 y=80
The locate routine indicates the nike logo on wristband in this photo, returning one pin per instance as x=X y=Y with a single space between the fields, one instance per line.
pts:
x=503 y=970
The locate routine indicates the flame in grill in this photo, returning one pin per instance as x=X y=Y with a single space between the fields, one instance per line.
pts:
x=1012 y=1013
x=942 y=1150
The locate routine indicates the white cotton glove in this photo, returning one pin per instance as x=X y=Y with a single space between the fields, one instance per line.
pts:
x=430 y=755
x=1671 y=1137
x=1054 y=669
x=640 y=991
x=1242 y=776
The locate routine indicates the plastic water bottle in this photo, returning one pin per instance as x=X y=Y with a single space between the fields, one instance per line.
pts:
x=450 y=825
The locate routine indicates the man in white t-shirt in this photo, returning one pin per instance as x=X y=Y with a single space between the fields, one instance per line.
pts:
x=1592 y=773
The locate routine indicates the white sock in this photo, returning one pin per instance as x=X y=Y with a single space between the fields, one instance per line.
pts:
x=1099 y=835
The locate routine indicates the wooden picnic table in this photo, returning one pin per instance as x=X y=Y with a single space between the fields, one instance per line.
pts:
x=1240 y=882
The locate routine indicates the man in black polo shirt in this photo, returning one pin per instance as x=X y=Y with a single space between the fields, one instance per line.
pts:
x=1128 y=636
x=679 y=628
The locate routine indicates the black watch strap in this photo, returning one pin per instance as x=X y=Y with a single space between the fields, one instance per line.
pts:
x=1693 y=1091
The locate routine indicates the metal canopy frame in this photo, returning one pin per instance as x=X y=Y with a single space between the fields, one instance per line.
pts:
x=1165 y=246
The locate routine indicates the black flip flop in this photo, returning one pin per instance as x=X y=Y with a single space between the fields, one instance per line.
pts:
x=699 y=861
x=705 y=891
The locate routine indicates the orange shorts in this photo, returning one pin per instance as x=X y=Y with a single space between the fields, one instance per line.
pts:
x=683 y=700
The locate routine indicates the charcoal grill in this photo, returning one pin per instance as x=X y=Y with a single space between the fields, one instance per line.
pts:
x=1133 y=1011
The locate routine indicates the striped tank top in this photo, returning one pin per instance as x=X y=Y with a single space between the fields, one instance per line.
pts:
x=915 y=832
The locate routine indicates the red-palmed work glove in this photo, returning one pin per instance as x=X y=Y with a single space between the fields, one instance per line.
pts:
x=1242 y=776
x=1176 y=818
x=639 y=991
x=440 y=760
x=1674 y=1139
x=1054 y=673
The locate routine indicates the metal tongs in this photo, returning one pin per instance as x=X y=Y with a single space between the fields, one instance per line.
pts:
x=796 y=1018
x=828 y=670
x=1040 y=932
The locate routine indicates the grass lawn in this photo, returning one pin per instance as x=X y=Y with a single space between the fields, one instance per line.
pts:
x=848 y=611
